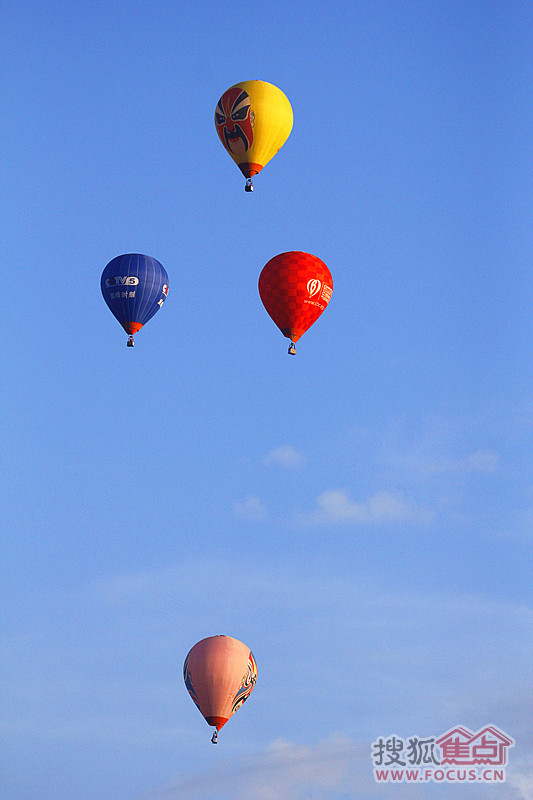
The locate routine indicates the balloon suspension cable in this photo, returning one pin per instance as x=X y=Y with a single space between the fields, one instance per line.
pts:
x=130 y=342
x=292 y=349
x=214 y=738
x=249 y=187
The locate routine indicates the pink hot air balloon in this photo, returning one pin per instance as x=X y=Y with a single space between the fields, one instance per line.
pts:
x=219 y=673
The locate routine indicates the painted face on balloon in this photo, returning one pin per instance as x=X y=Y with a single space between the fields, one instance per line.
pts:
x=234 y=120
x=247 y=684
x=188 y=682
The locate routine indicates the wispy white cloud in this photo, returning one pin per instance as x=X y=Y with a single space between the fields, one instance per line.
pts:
x=521 y=779
x=482 y=461
x=337 y=768
x=251 y=509
x=334 y=506
x=284 y=771
x=420 y=463
x=439 y=445
x=285 y=456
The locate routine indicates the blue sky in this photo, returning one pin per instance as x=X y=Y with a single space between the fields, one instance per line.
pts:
x=360 y=515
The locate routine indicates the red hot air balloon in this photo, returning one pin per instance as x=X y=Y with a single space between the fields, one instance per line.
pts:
x=295 y=288
x=219 y=673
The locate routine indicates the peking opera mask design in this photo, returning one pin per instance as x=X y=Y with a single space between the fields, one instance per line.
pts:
x=235 y=121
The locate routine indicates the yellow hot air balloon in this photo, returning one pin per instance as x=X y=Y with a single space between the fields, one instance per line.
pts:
x=253 y=120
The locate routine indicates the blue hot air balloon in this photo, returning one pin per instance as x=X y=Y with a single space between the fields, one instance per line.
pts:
x=134 y=287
